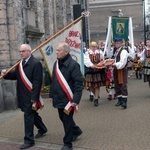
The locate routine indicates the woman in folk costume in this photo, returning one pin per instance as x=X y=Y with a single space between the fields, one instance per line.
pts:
x=145 y=57
x=94 y=77
x=137 y=65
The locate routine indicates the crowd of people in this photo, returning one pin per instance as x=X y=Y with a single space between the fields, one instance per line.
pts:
x=115 y=76
x=67 y=83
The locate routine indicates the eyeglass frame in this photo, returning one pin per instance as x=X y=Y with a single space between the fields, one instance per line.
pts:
x=23 y=51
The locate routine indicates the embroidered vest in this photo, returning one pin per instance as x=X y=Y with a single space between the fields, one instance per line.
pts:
x=118 y=55
x=147 y=53
x=95 y=58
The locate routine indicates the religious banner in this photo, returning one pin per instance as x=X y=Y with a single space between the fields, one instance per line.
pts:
x=120 y=27
x=72 y=36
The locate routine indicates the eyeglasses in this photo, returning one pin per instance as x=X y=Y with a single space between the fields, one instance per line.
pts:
x=23 y=51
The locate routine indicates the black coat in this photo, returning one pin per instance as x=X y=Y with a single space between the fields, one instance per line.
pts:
x=71 y=72
x=34 y=72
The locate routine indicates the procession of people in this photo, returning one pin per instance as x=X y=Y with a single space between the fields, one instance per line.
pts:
x=103 y=67
x=116 y=74
x=67 y=78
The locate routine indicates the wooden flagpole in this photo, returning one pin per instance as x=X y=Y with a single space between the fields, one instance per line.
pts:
x=45 y=42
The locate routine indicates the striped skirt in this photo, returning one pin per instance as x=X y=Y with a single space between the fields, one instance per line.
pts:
x=96 y=79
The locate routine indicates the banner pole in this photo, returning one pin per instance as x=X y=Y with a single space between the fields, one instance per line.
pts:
x=45 y=42
x=59 y=32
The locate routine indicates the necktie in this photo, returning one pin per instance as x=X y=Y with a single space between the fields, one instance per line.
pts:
x=23 y=63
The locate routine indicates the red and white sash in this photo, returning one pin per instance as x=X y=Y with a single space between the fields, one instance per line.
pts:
x=38 y=104
x=63 y=83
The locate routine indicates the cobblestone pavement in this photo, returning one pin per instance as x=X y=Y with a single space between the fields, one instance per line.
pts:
x=105 y=127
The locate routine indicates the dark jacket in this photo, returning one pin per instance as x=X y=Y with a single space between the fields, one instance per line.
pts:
x=71 y=72
x=34 y=72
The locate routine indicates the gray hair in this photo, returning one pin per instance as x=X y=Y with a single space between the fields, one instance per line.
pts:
x=64 y=46
x=27 y=45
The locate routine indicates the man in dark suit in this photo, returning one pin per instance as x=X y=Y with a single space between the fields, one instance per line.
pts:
x=66 y=91
x=29 y=75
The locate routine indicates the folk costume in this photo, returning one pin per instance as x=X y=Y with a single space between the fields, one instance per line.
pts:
x=95 y=78
x=121 y=74
x=137 y=65
x=32 y=70
x=110 y=83
x=145 y=57
x=66 y=87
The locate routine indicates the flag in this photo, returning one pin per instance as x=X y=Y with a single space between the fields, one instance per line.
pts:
x=71 y=35
x=119 y=27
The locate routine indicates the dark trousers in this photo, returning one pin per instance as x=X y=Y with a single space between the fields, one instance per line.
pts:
x=121 y=89
x=69 y=125
x=32 y=118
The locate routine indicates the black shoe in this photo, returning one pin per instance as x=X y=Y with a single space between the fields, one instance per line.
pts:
x=124 y=102
x=75 y=136
x=65 y=147
x=91 y=98
x=124 y=105
x=119 y=101
x=26 y=145
x=40 y=134
x=118 y=104
x=96 y=102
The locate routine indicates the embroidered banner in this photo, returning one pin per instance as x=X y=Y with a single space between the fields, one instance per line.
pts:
x=120 y=27
x=72 y=36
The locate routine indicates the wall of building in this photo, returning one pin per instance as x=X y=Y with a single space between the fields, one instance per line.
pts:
x=101 y=10
x=27 y=21
x=35 y=22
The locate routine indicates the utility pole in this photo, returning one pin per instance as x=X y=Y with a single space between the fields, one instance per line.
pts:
x=87 y=24
x=144 y=28
x=85 y=21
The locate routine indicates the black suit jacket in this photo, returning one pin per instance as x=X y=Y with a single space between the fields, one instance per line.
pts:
x=34 y=72
x=71 y=72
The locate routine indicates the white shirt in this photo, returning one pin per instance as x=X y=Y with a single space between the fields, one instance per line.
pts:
x=123 y=59
x=142 y=58
x=131 y=53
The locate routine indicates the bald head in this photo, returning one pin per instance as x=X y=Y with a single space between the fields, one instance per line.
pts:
x=62 y=50
x=25 y=51
x=27 y=46
x=64 y=46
